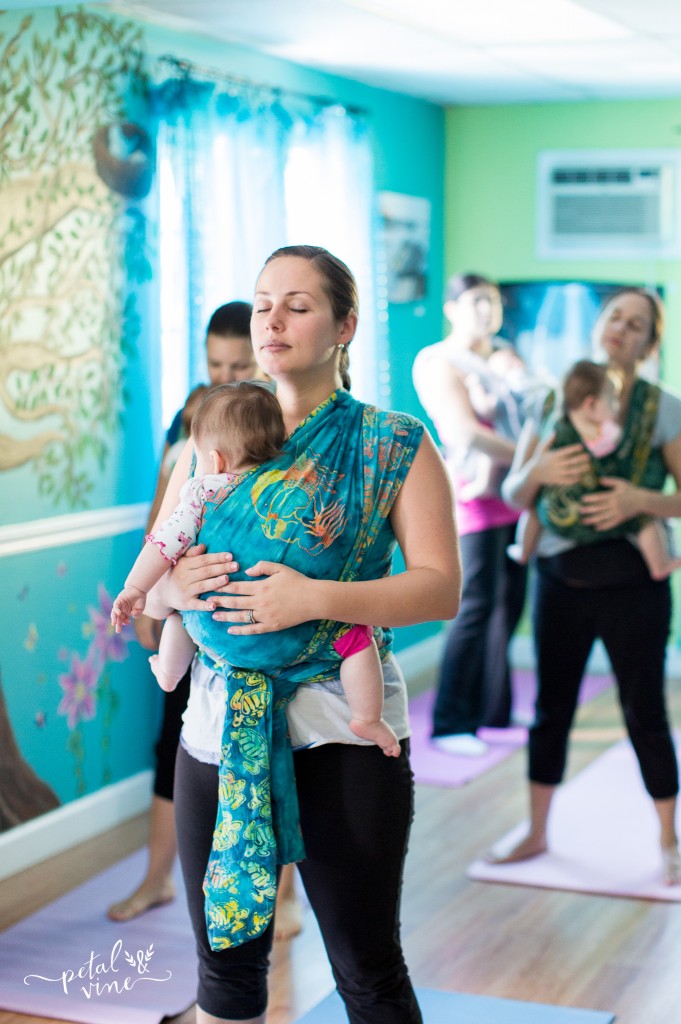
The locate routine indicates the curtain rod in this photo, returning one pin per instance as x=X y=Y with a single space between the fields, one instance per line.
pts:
x=187 y=67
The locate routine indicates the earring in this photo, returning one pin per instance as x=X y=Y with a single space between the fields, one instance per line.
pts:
x=341 y=348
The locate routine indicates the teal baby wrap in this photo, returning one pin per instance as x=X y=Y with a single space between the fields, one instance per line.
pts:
x=322 y=508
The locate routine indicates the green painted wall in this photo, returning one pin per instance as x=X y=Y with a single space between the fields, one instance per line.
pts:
x=490 y=188
x=490 y=191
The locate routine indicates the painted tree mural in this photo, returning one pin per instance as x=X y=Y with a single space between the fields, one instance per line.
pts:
x=66 y=313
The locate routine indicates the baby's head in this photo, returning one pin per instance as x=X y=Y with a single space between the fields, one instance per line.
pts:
x=505 y=361
x=590 y=388
x=191 y=405
x=237 y=426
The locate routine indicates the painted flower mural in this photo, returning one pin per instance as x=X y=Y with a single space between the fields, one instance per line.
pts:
x=87 y=686
x=107 y=644
x=80 y=690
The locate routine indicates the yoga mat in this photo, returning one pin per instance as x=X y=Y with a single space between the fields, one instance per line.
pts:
x=433 y=767
x=603 y=836
x=449 y=1007
x=94 y=970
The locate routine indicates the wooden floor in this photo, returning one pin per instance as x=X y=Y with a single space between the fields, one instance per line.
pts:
x=520 y=943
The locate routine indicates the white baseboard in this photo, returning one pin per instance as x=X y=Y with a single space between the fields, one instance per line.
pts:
x=25 y=845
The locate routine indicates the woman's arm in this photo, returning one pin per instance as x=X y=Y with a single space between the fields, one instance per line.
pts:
x=536 y=464
x=622 y=500
x=429 y=588
x=443 y=395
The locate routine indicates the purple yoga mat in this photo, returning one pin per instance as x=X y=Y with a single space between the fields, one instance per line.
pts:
x=435 y=768
x=70 y=962
x=603 y=836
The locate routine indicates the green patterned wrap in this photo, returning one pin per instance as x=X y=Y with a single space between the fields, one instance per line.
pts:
x=634 y=459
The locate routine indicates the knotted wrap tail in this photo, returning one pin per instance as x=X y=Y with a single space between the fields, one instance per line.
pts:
x=257 y=824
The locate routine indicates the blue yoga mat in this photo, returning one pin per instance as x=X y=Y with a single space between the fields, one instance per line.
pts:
x=457 y=1008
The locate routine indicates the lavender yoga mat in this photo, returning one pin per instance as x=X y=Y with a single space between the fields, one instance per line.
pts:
x=433 y=767
x=448 y=1007
x=603 y=836
x=70 y=962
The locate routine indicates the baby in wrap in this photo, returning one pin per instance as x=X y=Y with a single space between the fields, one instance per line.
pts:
x=238 y=427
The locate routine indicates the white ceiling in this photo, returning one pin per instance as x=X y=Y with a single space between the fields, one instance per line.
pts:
x=456 y=51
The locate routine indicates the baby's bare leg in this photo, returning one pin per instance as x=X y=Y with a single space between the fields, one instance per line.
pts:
x=175 y=653
x=527 y=536
x=362 y=679
x=653 y=544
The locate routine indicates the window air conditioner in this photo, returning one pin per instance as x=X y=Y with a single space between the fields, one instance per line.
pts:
x=609 y=204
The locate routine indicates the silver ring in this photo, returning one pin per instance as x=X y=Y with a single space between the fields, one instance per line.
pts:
x=250 y=620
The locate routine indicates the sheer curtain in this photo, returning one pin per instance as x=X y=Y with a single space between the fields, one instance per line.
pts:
x=330 y=202
x=242 y=171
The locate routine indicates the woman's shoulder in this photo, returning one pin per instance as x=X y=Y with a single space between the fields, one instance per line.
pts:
x=430 y=353
x=668 y=414
x=429 y=361
x=390 y=421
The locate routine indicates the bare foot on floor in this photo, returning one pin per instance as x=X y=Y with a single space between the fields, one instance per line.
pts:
x=288 y=919
x=530 y=846
x=143 y=899
x=671 y=865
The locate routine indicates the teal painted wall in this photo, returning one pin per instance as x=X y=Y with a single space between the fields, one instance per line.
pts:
x=57 y=652
x=409 y=157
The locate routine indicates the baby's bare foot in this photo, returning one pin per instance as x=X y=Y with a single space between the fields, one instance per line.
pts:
x=664 y=571
x=379 y=733
x=165 y=681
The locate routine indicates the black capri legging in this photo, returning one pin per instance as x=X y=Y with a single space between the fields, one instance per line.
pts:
x=356 y=807
x=633 y=621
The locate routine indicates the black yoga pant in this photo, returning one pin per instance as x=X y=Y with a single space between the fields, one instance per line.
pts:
x=174 y=704
x=475 y=678
x=633 y=622
x=356 y=807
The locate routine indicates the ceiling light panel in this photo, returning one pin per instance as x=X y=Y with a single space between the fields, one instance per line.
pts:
x=659 y=18
x=487 y=22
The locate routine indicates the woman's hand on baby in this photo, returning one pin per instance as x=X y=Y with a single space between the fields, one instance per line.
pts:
x=197 y=573
x=285 y=598
x=605 y=509
x=560 y=467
